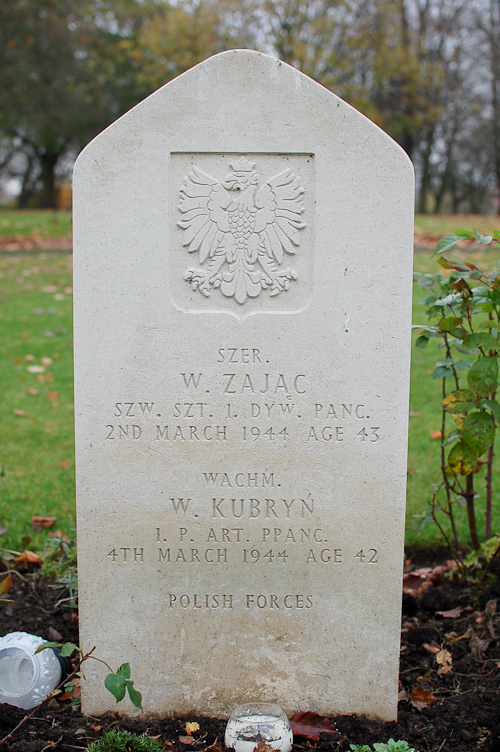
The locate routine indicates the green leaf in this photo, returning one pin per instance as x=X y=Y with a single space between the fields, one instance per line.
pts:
x=458 y=402
x=480 y=339
x=430 y=329
x=124 y=670
x=449 y=323
x=492 y=405
x=116 y=684
x=450 y=264
x=478 y=431
x=422 y=341
x=462 y=365
x=442 y=372
x=48 y=645
x=462 y=459
x=454 y=435
x=483 y=239
x=483 y=376
x=134 y=695
x=449 y=241
x=464 y=233
x=68 y=648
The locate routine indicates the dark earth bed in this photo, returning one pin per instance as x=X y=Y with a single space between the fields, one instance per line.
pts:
x=455 y=710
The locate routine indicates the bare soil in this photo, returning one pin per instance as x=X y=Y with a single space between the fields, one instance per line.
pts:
x=449 y=678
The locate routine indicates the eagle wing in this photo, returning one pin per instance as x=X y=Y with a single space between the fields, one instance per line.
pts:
x=203 y=205
x=278 y=218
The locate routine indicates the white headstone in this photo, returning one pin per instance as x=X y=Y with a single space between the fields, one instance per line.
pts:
x=243 y=252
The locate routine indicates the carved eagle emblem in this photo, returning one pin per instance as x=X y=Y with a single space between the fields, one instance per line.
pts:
x=241 y=230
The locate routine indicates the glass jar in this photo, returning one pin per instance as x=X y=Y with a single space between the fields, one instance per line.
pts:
x=256 y=722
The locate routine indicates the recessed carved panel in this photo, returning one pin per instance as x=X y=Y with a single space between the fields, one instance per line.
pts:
x=241 y=232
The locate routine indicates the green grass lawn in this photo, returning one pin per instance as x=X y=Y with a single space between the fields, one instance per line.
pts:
x=36 y=398
x=49 y=224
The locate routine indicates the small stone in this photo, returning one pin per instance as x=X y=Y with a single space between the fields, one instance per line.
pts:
x=53 y=635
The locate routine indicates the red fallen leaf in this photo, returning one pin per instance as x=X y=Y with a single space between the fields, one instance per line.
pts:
x=95 y=726
x=415 y=584
x=52 y=395
x=27 y=558
x=421 y=698
x=22 y=413
x=39 y=523
x=58 y=534
x=436 y=434
x=310 y=725
x=64 y=463
x=454 y=613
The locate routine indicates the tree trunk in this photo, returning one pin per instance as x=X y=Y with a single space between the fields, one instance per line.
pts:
x=48 y=193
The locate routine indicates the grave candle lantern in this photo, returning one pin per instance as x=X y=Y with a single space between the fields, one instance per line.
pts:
x=26 y=677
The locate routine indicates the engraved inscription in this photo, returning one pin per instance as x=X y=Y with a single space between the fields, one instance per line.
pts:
x=241 y=229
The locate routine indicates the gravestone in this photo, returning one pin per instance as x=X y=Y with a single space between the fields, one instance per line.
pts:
x=243 y=251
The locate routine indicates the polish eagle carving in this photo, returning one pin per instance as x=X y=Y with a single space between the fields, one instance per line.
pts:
x=241 y=230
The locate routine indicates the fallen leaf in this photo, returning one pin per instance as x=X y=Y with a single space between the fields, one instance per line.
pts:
x=454 y=613
x=187 y=740
x=444 y=660
x=263 y=747
x=310 y=725
x=27 y=558
x=29 y=357
x=95 y=726
x=21 y=413
x=433 y=647
x=24 y=335
x=32 y=391
x=58 y=534
x=40 y=378
x=35 y=369
x=17 y=360
x=49 y=377
x=478 y=646
x=52 y=395
x=49 y=288
x=6 y=584
x=491 y=608
x=421 y=698
x=191 y=727
x=39 y=523
x=46 y=361
x=64 y=463
x=436 y=434
x=415 y=584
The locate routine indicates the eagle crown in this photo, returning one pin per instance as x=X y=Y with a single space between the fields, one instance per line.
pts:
x=243 y=175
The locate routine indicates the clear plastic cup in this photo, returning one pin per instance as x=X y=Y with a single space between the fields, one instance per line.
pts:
x=256 y=722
